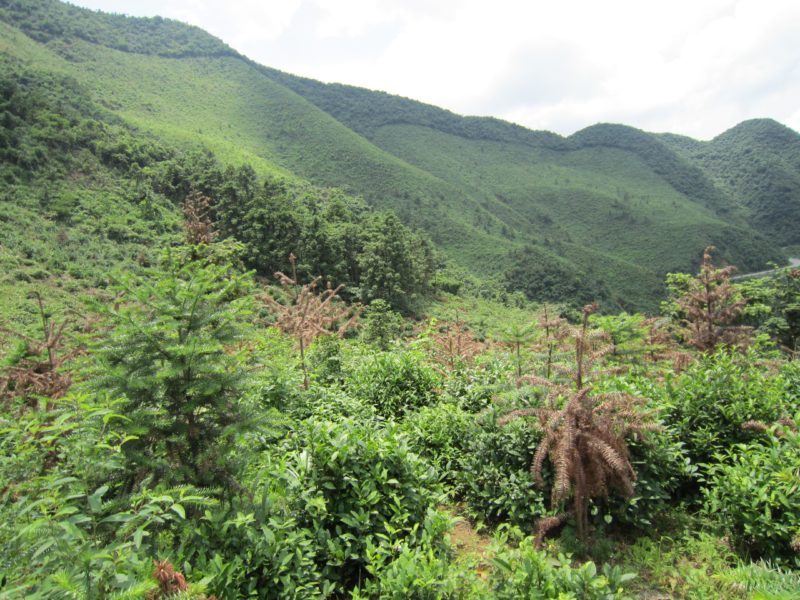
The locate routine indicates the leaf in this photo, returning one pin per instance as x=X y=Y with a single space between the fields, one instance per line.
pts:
x=178 y=510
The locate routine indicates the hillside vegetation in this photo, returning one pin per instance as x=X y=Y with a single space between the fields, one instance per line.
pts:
x=609 y=204
x=266 y=338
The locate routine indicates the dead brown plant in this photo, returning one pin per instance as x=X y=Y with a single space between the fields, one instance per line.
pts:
x=309 y=312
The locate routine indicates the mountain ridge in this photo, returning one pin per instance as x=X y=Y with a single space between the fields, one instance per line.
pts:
x=484 y=189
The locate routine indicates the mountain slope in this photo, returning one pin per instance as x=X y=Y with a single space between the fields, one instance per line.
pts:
x=758 y=164
x=610 y=204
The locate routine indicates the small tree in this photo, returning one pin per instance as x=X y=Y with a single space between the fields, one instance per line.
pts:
x=310 y=314
x=711 y=304
x=517 y=336
x=585 y=438
x=454 y=345
x=36 y=369
x=170 y=353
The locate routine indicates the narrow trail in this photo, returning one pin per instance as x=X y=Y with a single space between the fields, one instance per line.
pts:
x=793 y=262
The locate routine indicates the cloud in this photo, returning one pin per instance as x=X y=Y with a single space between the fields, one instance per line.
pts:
x=691 y=67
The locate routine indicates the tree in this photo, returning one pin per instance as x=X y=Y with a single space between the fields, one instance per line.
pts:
x=171 y=354
x=396 y=265
x=710 y=305
x=773 y=305
x=310 y=314
x=584 y=438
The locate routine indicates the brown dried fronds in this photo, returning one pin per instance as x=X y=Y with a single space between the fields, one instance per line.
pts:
x=585 y=443
x=310 y=313
x=454 y=345
x=39 y=372
x=711 y=304
x=197 y=220
x=545 y=525
x=778 y=429
x=170 y=581
x=515 y=414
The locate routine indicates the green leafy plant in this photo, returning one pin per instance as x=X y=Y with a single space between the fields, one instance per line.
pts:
x=524 y=572
x=708 y=404
x=752 y=491
x=172 y=353
x=394 y=382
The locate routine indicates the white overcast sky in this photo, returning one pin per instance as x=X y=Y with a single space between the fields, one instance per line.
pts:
x=695 y=67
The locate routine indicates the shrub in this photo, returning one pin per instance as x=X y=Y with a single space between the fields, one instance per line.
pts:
x=524 y=572
x=263 y=544
x=495 y=479
x=372 y=489
x=441 y=433
x=710 y=402
x=421 y=575
x=473 y=388
x=331 y=500
x=752 y=492
x=394 y=382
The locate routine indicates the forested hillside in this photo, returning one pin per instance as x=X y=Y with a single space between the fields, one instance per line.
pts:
x=609 y=206
x=758 y=163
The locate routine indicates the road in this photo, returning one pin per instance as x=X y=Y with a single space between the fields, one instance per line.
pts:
x=793 y=262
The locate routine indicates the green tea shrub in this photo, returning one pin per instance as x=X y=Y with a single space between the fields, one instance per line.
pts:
x=325 y=360
x=495 y=479
x=263 y=544
x=372 y=490
x=417 y=574
x=524 y=572
x=334 y=498
x=659 y=460
x=473 y=388
x=661 y=467
x=394 y=382
x=332 y=404
x=708 y=404
x=441 y=433
x=753 y=493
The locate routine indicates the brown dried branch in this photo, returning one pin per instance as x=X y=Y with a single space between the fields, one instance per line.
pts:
x=455 y=345
x=310 y=313
x=197 y=220
x=711 y=305
x=39 y=373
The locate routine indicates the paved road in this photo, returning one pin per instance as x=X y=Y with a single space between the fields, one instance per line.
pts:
x=793 y=262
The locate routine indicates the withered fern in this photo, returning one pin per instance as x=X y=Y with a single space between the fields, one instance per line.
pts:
x=584 y=439
x=310 y=313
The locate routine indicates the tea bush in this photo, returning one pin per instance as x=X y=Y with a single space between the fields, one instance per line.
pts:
x=372 y=489
x=421 y=575
x=393 y=382
x=495 y=479
x=708 y=404
x=524 y=572
x=753 y=493
x=442 y=434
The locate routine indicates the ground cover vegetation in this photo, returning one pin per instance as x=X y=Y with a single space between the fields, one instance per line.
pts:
x=218 y=380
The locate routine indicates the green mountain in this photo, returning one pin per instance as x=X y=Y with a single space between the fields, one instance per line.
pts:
x=606 y=212
x=758 y=164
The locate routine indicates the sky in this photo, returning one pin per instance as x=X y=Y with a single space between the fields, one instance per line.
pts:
x=694 y=67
